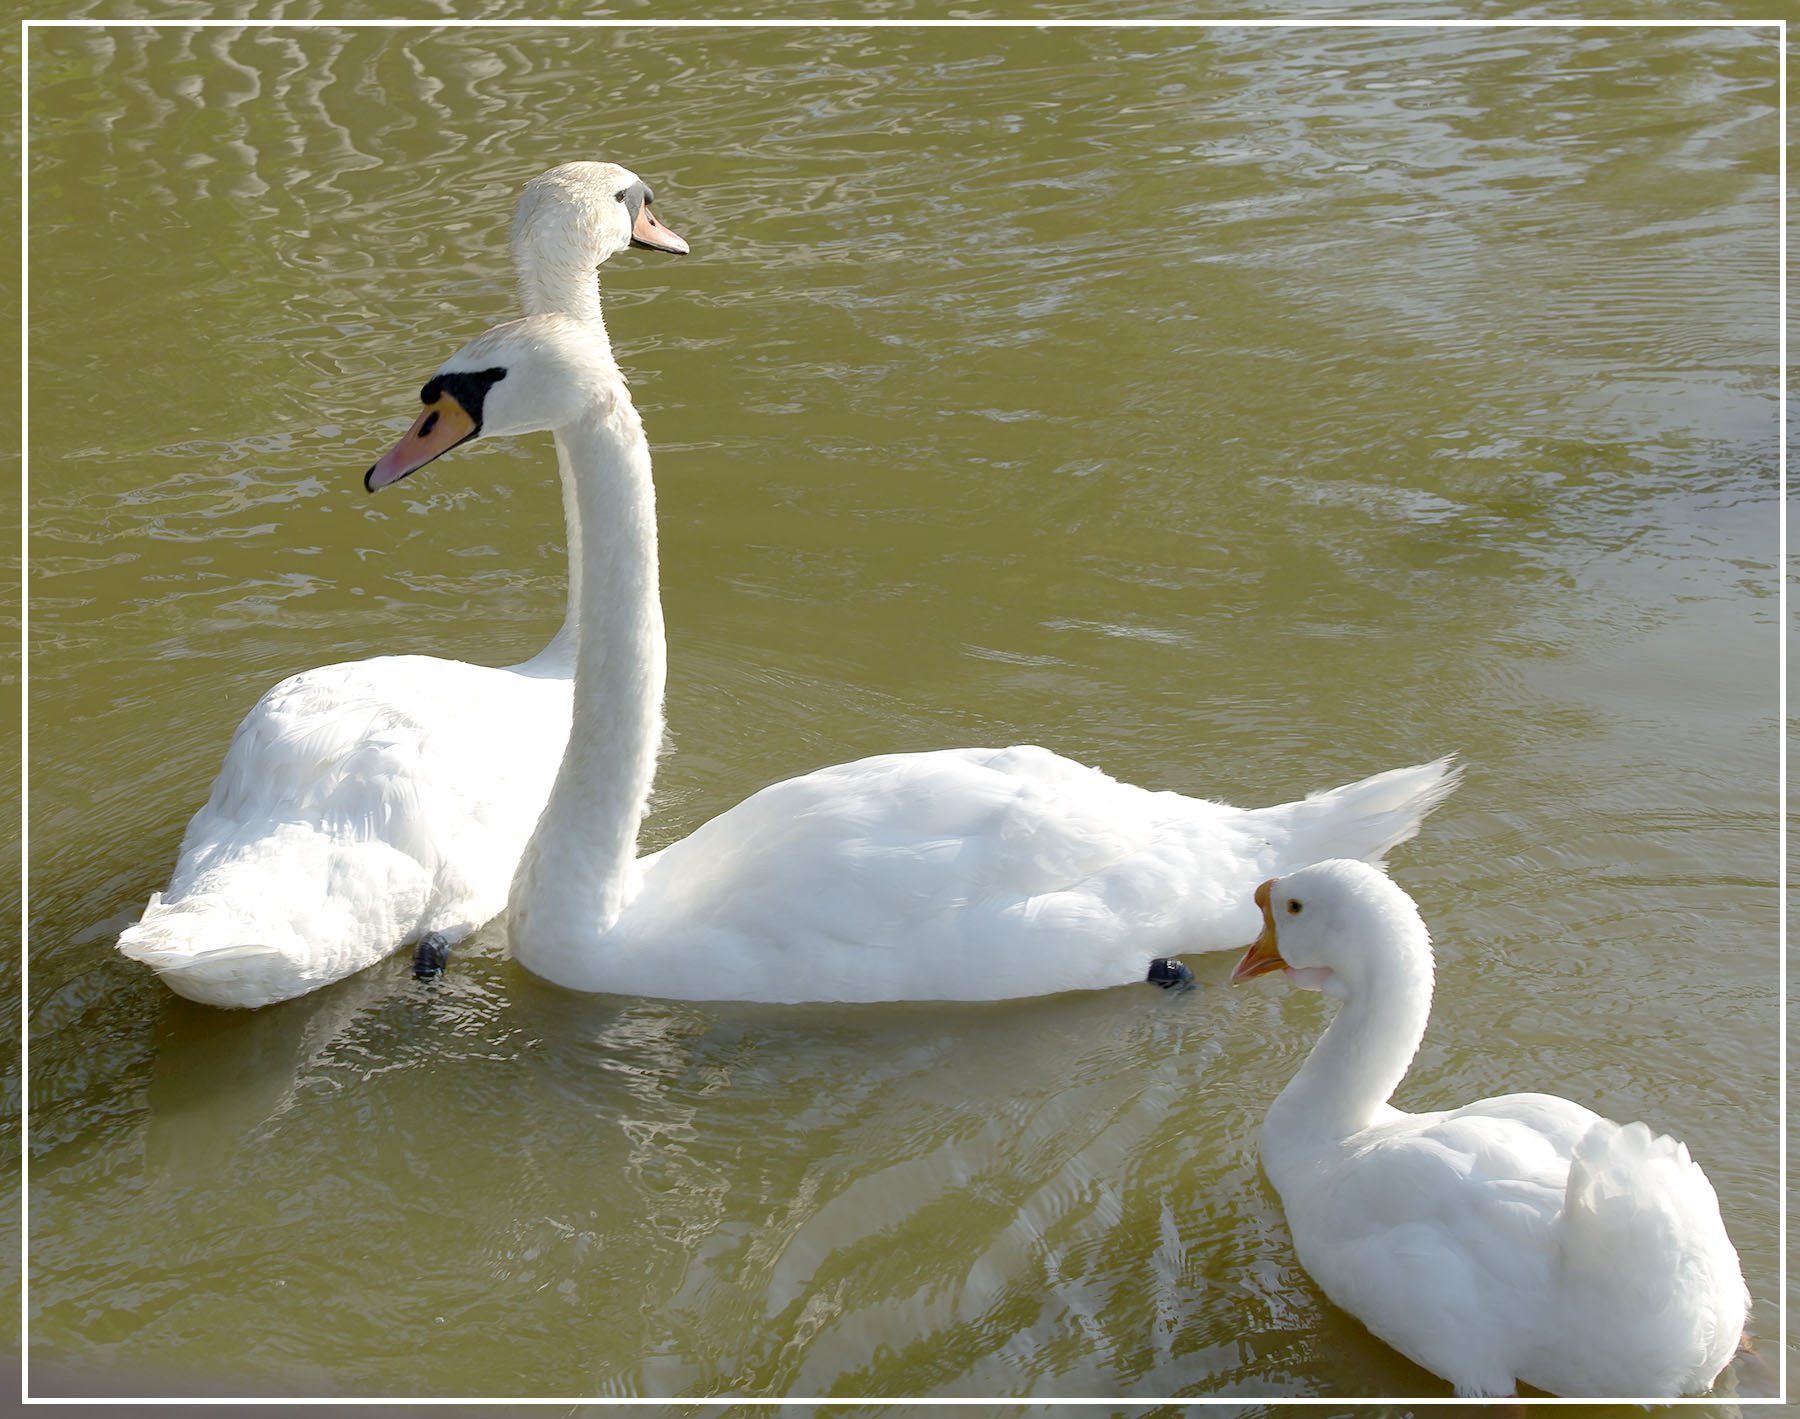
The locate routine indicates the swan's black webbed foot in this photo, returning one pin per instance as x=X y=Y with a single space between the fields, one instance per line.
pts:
x=431 y=955
x=1170 y=974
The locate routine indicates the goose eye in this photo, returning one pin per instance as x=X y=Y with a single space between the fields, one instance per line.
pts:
x=1293 y=908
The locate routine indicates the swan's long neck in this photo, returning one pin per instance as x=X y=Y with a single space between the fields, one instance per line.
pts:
x=1358 y=1062
x=556 y=266
x=541 y=296
x=558 y=657
x=576 y=874
x=557 y=269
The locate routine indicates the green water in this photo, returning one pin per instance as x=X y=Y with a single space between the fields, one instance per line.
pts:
x=1241 y=411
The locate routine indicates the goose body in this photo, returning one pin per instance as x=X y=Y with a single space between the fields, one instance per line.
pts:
x=1517 y=1239
x=366 y=804
x=958 y=874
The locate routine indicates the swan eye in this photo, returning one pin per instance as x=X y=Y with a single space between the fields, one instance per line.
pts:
x=620 y=197
x=1293 y=908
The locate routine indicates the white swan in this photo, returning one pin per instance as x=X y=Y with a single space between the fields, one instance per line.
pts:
x=960 y=874
x=371 y=803
x=1517 y=1239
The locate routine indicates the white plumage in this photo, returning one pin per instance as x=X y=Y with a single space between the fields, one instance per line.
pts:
x=960 y=874
x=360 y=806
x=967 y=874
x=1517 y=1239
x=364 y=804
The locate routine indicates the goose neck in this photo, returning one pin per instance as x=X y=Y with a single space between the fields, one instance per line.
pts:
x=1354 y=1068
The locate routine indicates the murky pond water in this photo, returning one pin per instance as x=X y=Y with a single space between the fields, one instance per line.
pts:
x=1240 y=411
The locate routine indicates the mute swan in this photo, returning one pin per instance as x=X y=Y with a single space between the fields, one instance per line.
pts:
x=968 y=874
x=371 y=803
x=1519 y=1238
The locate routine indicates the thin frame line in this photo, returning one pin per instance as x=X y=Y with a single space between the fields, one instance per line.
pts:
x=1148 y=22
x=24 y=712
x=1781 y=746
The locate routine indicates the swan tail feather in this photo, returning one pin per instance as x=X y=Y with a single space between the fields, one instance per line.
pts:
x=215 y=950
x=1369 y=818
x=1640 y=1226
x=204 y=956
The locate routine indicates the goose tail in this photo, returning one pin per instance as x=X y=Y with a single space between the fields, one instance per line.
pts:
x=1640 y=1230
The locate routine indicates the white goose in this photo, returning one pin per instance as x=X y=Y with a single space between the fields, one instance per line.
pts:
x=959 y=874
x=376 y=802
x=1517 y=1239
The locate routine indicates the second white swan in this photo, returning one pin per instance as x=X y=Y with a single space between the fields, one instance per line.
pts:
x=375 y=802
x=966 y=874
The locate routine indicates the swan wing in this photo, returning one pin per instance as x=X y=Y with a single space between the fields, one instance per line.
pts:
x=358 y=806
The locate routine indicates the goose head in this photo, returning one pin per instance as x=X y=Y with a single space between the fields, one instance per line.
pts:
x=542 y=372
x=588 y=212
x=1337 y=926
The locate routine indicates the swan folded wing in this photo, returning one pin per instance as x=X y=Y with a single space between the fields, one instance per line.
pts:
x=334 y=753
x=922 y=832
x=1542 y=1127
x=346 y=820
x=298 y=728
x=1635 y=1199
x=391 y=748
x=888 y=873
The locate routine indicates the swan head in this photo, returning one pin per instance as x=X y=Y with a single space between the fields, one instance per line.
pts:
x=1335 y=926
x=542 y=372
x=589 y=211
